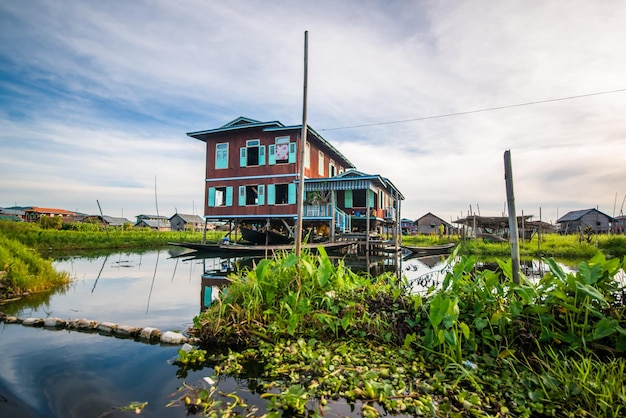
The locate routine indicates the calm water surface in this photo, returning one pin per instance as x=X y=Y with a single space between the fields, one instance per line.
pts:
x=60 y=373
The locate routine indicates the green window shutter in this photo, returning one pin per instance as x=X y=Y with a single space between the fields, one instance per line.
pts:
x=292 y=152
x=229 y=196
x=262 y=155
x=243 y=157
x=242 y=195
x=271 y=151
x=371 y=195
x=211 y=200
x=292 y=193
x=271 y=194
x=261 y=194
x=348 y=198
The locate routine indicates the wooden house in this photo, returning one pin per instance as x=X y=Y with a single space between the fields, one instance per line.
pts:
x=154 y=222
x=184 y=222
x=34 y=213
x=252 y=171
x=577 y=221
x=408 y=226
x=430 y=224
x=619 y=225
x=496 y=228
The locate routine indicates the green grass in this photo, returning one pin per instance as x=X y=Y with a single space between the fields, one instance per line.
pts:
x=44 y=240
x=22 y=270
x=551 y=245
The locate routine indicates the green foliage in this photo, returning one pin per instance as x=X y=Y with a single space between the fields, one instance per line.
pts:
x=80 y=236
x=23 y=270
x=289 y=296
x=551 y=245
x=50 y=222
x=478 y=346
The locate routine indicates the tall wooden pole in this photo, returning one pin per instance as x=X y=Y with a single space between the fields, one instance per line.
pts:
x=300 y=197
x=510 y=198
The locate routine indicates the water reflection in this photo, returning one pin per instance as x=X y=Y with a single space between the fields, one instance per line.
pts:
x=70 y=374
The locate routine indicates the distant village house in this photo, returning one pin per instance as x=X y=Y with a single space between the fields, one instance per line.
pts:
x=184 y=222
x=577 y=221
x=430 y=224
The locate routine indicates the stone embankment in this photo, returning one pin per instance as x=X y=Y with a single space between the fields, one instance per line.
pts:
x=146 y=334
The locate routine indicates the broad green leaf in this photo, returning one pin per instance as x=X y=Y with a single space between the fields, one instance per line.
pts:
x=556 y=270
x=516 y=307
x=480 y=323
x=604 y=328
x=591 y=291
x=465 y=330
x=590 y=274
x=438 y=308
x=450 y=337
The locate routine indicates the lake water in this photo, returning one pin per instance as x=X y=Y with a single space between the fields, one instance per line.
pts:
x=61 y=373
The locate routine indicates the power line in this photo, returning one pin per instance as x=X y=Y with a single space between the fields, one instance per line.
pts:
x=488 y=109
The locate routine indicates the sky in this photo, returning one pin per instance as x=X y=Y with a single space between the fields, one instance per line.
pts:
x=96 y=98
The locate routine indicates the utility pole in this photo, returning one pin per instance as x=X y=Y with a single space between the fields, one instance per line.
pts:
x=300 y=198
x=510 y=198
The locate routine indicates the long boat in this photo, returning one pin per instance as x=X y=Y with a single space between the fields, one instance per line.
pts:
x=232 y=249
x=431 y=250
x=264 y=236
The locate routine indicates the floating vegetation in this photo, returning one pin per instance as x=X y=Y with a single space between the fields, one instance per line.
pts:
x=308 y=334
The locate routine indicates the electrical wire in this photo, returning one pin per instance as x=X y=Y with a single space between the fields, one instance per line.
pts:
x=488 y=109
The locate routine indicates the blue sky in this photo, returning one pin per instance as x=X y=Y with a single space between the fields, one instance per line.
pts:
x=96 y=98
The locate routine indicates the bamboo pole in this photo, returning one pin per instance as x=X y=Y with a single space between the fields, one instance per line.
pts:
x=513 y=234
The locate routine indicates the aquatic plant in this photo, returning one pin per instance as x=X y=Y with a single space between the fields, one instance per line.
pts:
x=479 y=345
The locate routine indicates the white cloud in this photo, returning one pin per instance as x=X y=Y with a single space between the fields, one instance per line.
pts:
x=98 y=96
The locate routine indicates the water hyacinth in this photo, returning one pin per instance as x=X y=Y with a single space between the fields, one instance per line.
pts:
x=313 y=333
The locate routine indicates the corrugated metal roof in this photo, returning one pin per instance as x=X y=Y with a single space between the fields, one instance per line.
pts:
x=576 y=215
x=236 y=124
x=350 y=180
x=188 y=218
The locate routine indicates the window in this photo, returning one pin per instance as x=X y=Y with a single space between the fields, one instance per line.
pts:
x=332 y=170
x=220 y=196
x=282 y=151
x=358 y=198
x=281 y=194
x=320 y=163
x=221 y=155
x=251 y=195
x=253 y=154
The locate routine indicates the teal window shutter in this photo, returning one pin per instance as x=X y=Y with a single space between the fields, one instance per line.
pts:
x=229 y=196
x=243 y=157
x=271 y=194
x=371 y=198
x=348 y=198
x=271 y=151
x=211 y=200
x=292 y=152
x=221 y=155
x=262 y=155
x=242 y=195
x=292 y=193
x=261 y=195
x=208 y=296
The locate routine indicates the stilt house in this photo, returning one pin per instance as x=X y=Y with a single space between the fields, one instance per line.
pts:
x=252 y=171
